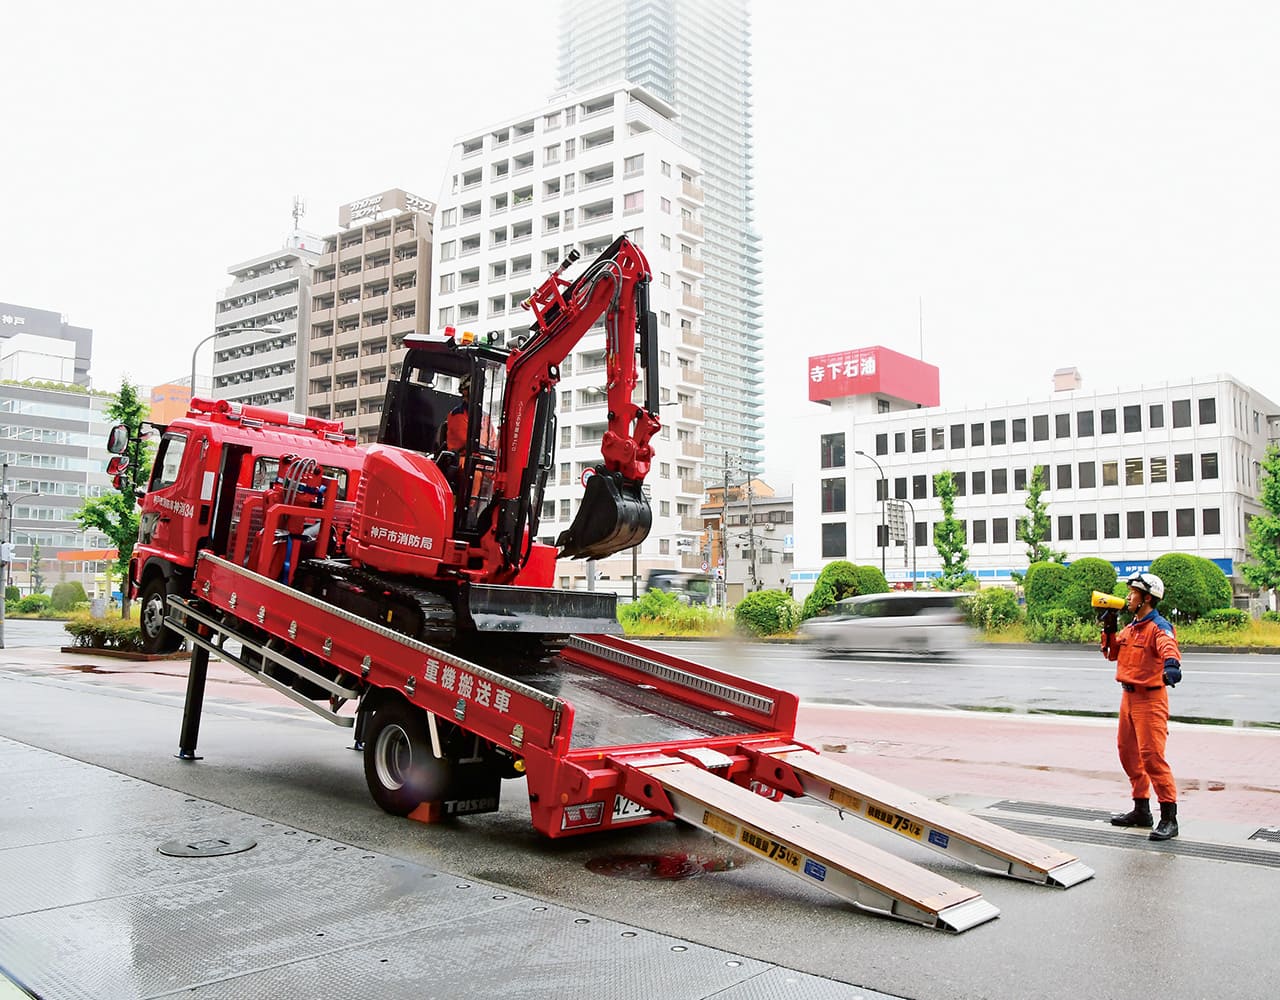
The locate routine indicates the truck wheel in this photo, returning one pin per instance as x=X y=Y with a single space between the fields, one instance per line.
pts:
x=399 y=766
x=154 y=636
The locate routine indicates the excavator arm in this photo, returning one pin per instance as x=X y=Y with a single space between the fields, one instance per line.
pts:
x=614 y=513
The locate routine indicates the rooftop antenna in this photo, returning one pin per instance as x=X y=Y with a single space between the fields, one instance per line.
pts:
x=920 y=305
x=299 y=209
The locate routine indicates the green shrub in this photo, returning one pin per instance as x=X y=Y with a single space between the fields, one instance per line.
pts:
x=837 y=581
x=1061 y=625
x=105 y=633
x=12 y=595
x=1271 y=616
x=1225 y=619
x=32 y=604
x=1216 y=583
x=67 y=595
x=992 y=609
x=1085 y=576
x=1186 y=597
x=1046 y=584
x=767 y=612
x=870 y=580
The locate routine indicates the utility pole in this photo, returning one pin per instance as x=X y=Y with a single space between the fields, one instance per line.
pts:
x=724 y=537
x=751 y=536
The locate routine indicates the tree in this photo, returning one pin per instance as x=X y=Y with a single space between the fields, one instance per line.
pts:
x=115 y=514
x=1263 y=541
x=1186 y=597
x=36 y=570
x=1034 y=530
x=949 y=536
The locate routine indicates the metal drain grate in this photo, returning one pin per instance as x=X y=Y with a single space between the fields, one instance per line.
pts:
x=1268 y=833
x=1107 y=838
x=1046 y=809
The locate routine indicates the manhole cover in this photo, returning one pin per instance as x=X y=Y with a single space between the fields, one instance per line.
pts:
x=211 y=848
x=641 y=867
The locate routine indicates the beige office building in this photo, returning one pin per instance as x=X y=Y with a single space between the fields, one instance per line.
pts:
x=370 y=288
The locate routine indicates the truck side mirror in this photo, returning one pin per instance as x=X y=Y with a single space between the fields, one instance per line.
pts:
x=118 y=439
x=117 y=464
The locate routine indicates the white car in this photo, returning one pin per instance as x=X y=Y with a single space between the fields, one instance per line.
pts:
x=926 y=622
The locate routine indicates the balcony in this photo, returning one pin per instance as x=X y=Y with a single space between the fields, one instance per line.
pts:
x=692 y=228
x=350 y=252
x=691 y=264
x=373 y=275
x=690 y=339
x=691 y=449
x=692 y=524
x=348 y=309
x=688 y=411
x=691 y=560
x=692 y=487
x=690 y=301
x=322 y=316
x=404 y=327
x=691 y=192
x=323 y=287
x=349 y=367
x=691 y=376
x=379 y=245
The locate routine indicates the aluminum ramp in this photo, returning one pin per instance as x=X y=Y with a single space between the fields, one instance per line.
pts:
x=819 y=855
x=943 y=828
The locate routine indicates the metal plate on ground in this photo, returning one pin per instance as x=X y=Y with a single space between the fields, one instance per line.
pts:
x=1271 y=834
x=206 y=847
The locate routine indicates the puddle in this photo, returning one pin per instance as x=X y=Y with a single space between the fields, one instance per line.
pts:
x=645 y=867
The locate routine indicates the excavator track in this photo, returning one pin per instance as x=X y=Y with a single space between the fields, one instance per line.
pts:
x=412 y=610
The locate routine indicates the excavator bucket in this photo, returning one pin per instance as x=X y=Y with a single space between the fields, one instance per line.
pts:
x=614 y=515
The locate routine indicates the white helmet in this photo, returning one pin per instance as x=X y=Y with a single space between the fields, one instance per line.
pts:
x=1148 y=583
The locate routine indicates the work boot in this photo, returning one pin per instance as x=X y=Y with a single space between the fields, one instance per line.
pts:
x=1167 y=828
x=1139 y=815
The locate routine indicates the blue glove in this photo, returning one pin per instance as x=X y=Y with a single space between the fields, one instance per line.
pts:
x=1172 y=672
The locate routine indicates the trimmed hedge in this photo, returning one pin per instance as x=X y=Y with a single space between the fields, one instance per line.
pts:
x=767 y=612
x=1186 y=597
x=1046 y=583
x=992 y=608
x=841 y=579
x=1227 y=619
x=105 y=633
x=67 y=595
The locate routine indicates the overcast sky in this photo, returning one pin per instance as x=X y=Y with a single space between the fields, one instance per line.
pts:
x=1090 y=184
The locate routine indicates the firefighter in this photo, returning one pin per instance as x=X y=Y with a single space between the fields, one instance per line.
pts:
x=1148 y=662
x=456 y=435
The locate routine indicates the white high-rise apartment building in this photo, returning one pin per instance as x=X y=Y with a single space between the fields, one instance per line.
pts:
x=257 y=319
x=696 y=55
x=576 y=174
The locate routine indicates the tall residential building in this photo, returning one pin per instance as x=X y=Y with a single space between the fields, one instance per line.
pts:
x=696 y=55
x=258 y=319
x=576 y=174
x=1130 y=474
x=371 y=287
x=16 y=319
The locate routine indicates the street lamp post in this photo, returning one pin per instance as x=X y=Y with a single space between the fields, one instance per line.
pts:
x=882 y=539
x=912 y=508
x=223 y=333
x=6 y=538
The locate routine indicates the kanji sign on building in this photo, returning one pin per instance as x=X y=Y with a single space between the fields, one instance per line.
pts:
x=866 y=370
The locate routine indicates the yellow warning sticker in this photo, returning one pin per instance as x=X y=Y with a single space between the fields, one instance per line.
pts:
x=846 y=801
x=781 y=854
x=895 y=822
x=721 y=825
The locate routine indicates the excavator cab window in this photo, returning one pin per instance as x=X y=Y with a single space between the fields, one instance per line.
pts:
x=481 y=415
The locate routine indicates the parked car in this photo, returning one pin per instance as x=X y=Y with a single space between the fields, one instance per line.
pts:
x=926 y=622
x=688 y=587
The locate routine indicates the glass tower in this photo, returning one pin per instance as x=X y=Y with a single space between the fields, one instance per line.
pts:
x=696 y=54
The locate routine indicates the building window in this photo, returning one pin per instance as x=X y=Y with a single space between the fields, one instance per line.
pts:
x=1135 y=523
x=1088 y=527
x=1132 y=419
x=1040 y=427
x=882 y=444
x=960 y=479
x=957 y=435
x=1210 y=521
x=938 y=438
x=833 y=540
x=882 y=490
x=1209 y=465
x=1065 y=525
x=1019 y=429
x=882 y=406
x=833 y=496
x=882 y=536
x=976 y=435
x=1208 y=412
x=1182 y=413
x=1155 y=415
x=1064 y=476
x=917 y=439
x=1133 y=475
x=900 y=488
x=979 y=482
x=979 y=532
x=633 y=164
x=633 y=201
x=997 y=432
x=999 y=480
x=1159 y=469
x=900 y=442
x=665 y=205
x=1110 y=473
x=1084 y=424
x=1110 y=525
x=1108 y=421
x=1185 y=521
x=922 y=533
x=920 y=487
x=1062 y=425
x=832 y=446
x=1182 y=468
x=1019 y=479
x=999 y=530
x=1159 y=524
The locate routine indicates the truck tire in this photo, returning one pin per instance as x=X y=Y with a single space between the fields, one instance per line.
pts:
x=154 y=636
x=399 y=766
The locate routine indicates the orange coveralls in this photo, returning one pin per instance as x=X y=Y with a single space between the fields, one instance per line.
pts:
x=1140 y=650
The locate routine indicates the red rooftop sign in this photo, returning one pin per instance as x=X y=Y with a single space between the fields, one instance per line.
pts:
x=877 y=370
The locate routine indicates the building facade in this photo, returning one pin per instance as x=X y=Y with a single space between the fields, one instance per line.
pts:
x=258 y=320
x=371 y=286
x=696 y=56
x=52 y=450
x=1130 y=474
x=518 y=196
x=750 y=545
x=16 y=319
